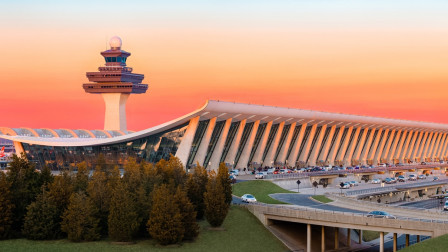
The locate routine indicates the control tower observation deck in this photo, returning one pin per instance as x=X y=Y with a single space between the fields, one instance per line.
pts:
x=115 y=81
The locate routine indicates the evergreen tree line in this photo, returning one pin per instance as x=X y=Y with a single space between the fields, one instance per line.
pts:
x=159 y=201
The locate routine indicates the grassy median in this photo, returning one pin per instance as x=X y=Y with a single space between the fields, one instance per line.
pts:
x=243 y=232
x=322 y=198
x=260 y=189
x=434 y=244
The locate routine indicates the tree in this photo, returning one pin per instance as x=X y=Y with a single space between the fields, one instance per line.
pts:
x=6 y=207
x=216 y=207
x=224 y=178
x=172 y=171
x=42 y=221
x=196 y=186
x=25 y=186
x=100 y=195
x=46 y=177
x=123 y=218
x=165 y=220
x=186 y=208
x=60 y=191
x=81 y=179
x=79 y=221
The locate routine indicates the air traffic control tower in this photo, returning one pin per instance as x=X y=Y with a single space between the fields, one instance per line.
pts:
x=115 y=82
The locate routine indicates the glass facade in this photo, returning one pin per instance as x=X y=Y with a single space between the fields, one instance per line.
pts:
x=244 y=137
x=230 y=136
x=115 y=59
x=213 y=140
x=200 y=131
x=271 y=136
x=333 y=140
x=257 y=140
x=282 y=140
x=324 y=140
x=316 y=136
x=150 y=148
x=293 y=140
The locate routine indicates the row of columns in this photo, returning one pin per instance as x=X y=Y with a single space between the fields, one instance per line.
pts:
x=348 y=243
x=333 y=144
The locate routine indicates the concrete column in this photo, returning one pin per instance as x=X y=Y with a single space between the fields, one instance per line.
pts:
x=312 y=160
x=306 y=147
x=390 y=155
x=411 y=138
x=19 y=148
x=443 y=152
x=418 y=238
x=407 y=240
x=295 y=149
x=273 y=148
x=358 y=148
x=231 y=154
x=336 y=238
x=185 y=146
x=380 y=148
x=351 y=147
x=344 y=145
x=388 y=144
x=427 y=145
x=395 y=243
x=440 y=145
x=400 y=145
x=215 y=159
x=244 y=157
x=376 y=142
x=334 y=149
x=349 y=239
x=258 y=156
x=115 y=117
x=308 y=237
x=326 y=145
x=365 y=151
x=381 y=241
x=284 y=148
x=323 y=239
x=434 y=146
x=415 y=146
x=422 y=145
x=360 y=236
x=203 y=145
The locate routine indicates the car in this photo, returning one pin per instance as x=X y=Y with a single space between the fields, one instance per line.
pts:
x=401 y=178
x=421 y=176
x=435 y=178
x=423 y=163
x=345 y=185
x=248 y=198
x=412 y=177
x=260 y=175
x=276 y=172
x=235 y=172
x=382 y=165
x=390 y=181
x=232 y=177
x=445 y=207
x=271 y=170
x=375 y=181
x=380 y=214
x=354 y=183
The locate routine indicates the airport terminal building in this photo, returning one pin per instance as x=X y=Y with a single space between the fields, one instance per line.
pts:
x=240 y=135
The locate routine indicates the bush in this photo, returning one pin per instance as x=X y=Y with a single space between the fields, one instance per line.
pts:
x=226 y=183
x=79 y=220
x=186 y=208
x=216 y=207
x=195 y=186
x=165 y=220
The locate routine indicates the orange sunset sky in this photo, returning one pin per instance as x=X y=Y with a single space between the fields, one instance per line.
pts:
x=378 y=58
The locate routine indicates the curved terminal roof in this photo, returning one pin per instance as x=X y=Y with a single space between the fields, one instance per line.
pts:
x=221 y=110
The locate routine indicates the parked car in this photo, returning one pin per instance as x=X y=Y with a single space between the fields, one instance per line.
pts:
x=235 y=172
x=390 y=181
x=421 y=176
x=382 y=165
x=435 y=178
x=445 y=207
x=248 y=198
x=423 y=163
x=401 y=178
x=354 y=183
x=271 y=170
x=375 y=181
x=260 y=175
x=381 y=214
x=276 y=172
x=412 y=177
x=346 y=185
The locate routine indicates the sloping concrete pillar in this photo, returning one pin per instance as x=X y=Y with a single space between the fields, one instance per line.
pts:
x=244 y=157
x=295 y=149
x=317 y=144
x=231 y=154
x=217 y=152
x=284 y=148
x=185 y=146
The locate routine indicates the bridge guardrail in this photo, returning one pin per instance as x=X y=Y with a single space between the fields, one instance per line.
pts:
x=394 y=187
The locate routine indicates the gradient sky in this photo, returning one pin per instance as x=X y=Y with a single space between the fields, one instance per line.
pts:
x=379 y=58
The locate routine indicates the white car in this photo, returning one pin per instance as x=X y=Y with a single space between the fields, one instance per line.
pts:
x=260 y=175
x=345 y=186
x=376 y=181
x=271 y=170
x=248 y=198
x=412 y=177
x=235 y=172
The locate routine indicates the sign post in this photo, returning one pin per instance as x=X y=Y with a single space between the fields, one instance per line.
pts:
x=298 y=185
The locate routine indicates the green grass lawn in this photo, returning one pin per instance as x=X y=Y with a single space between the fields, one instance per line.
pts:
x=243 y=232
x=321 y=198
x=368 y=235
x=260 y=189
x=435 y=244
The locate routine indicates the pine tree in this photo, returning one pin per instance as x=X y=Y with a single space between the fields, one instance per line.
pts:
x=42 y=221
x=165 y=220
x=46 y=177
x=216 y=208
x=123 y=218
x=79 y=221
x=6 y=207
x=224 y=178
x=100 y=195
x=81 y=179
x=186 y=208
x=25 y=186
x=195 y=186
